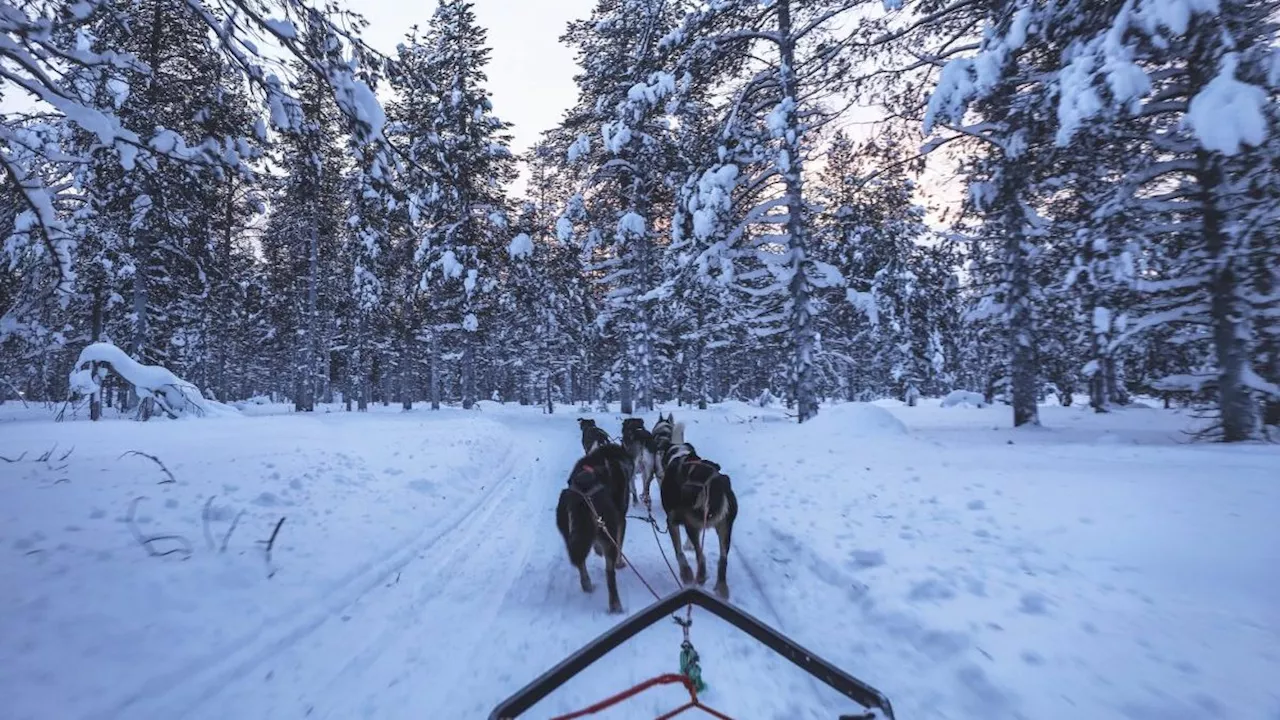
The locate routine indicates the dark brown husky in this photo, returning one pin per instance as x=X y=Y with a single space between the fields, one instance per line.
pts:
x=592 y=513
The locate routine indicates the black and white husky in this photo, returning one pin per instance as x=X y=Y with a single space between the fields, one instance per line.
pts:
x=592 y=436
x=592 y=513
x=662 y=435
x=696 y=495
x=643 y=448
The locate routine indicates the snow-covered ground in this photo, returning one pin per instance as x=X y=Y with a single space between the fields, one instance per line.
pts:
x=1102 y=567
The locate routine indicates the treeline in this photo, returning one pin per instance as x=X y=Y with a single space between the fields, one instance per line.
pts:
x=705 y=223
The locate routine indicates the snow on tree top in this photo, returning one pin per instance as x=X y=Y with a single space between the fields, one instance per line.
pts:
x=1228 y=114
x=521 y=246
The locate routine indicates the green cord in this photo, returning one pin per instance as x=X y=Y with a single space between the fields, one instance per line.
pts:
x=689 y=666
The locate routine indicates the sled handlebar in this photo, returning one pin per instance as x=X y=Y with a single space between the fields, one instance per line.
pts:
x=832 y=676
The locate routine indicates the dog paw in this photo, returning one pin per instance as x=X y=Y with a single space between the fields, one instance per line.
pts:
x=615 y=607
x=588 y=587
x=686 y=575
x=621 y=563
x=722 y=589
x=702 y=577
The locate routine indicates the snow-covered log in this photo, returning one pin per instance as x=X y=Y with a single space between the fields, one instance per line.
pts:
x=171 y=394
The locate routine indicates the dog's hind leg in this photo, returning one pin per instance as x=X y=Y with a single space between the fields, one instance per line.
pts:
x=611 y=579
x=724 y=531
x=673 y=529
x=584 y=578
x=696 y=539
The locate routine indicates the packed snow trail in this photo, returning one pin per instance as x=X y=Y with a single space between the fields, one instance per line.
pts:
x=458 y=618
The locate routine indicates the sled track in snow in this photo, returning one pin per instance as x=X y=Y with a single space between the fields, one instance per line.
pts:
x=469 y=560
x=175 y=693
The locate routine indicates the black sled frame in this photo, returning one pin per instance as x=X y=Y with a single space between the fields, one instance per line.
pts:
x=856 y=690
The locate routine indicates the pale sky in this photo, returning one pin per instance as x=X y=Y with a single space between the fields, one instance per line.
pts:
x=530 y=72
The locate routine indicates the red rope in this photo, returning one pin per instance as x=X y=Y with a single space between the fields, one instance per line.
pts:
x=666 y=679
x=694 y=704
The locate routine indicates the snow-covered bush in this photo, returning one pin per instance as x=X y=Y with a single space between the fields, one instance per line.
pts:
x=174 y=396
x=964 y=398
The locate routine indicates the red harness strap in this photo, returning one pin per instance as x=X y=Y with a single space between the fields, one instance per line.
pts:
x=667 y=679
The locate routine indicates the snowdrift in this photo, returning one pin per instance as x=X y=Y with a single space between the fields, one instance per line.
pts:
x=964 y=398
x=861 y=420
x=173 y=395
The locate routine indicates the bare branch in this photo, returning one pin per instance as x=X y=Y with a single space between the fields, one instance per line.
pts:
x=184 y=545
x=204 y=520
x=156 y=460
x=270 y=543
x=227 y=538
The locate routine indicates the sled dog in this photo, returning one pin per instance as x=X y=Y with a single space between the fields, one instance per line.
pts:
x=592 y=514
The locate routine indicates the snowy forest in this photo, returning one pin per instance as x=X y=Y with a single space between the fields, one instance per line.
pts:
x=800 y=200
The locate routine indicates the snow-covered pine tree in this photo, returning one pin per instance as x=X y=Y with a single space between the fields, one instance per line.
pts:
x=152 y=224
x=999 y=98
x=623 y=154
x=1191 y=89
x=57 y=42
x=878 y=332
x=462 y=211
x=302 y=244
x=750 y=210
x=375 y=212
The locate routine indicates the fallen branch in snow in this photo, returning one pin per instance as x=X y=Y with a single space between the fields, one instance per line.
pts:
x=145 y=542
x=75 y=409
x=270 y=543
x=227 y=538
x=154 y=459
x=48 y=454
x=14 y=460
x=204 y=520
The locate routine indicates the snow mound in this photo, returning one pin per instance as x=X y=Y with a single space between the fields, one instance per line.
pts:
x=857 y=419
x=963 y=398
x=175 y=396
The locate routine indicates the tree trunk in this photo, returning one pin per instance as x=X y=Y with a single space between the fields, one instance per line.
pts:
x=624 y=392
x=406 y=370
x=803 y=334
x=363 y=371
x=468 y=370
x=434 y=376
x=1023 y=363
x=1230 y=313
x=95 y=400
x=551 y=405
x=306 y=401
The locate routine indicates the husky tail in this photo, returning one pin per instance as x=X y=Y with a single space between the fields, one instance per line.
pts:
x=677 y=434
